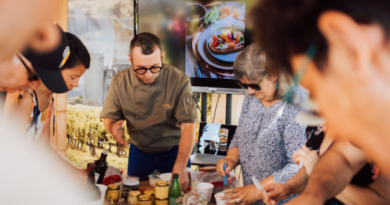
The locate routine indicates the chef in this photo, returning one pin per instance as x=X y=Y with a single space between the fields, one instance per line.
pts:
x=156 y=101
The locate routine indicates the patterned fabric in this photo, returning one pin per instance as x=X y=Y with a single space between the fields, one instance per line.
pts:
x=38 y=120
x=267 y=137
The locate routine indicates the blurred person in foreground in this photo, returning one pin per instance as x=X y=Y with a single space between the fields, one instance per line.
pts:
x=267 y=134
x=156 y=101
x=26 y=23
x=367 y=186
x=35 y=108
x=339 y=51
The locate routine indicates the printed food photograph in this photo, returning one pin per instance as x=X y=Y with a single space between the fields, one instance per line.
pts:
x=215 y=36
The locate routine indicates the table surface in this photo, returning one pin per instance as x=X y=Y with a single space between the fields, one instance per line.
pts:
x=143 y=185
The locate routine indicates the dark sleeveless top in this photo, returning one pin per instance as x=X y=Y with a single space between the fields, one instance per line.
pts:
x=363 y=178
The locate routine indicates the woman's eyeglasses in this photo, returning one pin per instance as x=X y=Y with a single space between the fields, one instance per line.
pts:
x=152 y=69
x=31 y=76
x=253 y=86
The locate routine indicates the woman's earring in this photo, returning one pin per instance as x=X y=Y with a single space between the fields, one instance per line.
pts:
x=277 y=86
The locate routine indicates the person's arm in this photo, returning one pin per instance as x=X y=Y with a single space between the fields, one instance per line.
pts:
x=357 y=195
x=332 y=173
x=186 y=145
x=112 y=113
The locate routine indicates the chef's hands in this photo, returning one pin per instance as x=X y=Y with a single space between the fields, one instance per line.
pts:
x=275 y=192
x=117 y=132
x=220 y=165
x=307 y=157
x=247 y=195
x=183 y=177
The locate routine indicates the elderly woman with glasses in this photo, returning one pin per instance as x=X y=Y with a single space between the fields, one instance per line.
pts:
x=267 y=134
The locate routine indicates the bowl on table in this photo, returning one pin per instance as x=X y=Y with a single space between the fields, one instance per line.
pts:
x=166 y=177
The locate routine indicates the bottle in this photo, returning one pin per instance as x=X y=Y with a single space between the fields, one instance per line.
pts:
x=175 y=191
x=101 y=167
x=92 y=192
x=195 y=197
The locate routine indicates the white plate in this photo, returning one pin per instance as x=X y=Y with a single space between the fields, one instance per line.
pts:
x=206 y=54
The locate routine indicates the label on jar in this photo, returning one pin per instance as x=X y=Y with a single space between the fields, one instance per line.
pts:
x=174 y=200
x=162 y=192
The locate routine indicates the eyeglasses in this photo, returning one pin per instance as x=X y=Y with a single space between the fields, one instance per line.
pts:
x=307 y=106
x=31 y=76
x=253 y=86
x=144 y=70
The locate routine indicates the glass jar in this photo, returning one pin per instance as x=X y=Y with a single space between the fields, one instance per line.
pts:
x=131 y=184
x=162 y=190
x=133 y=197
x=194 y=197
x=144 y=200
x=151 y=194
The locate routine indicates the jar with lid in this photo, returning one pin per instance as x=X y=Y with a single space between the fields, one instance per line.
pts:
x=113 y=192
x=144 y=200
x=162 y=201
x=151 y=194
x=162 y=190
x=131 y=184
x=133 y=197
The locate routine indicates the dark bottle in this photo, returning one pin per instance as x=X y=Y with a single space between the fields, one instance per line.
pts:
x=92 y=192
x=101 y=167
x=175 y=191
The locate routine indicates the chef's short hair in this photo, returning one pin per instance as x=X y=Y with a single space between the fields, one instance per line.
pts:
x=147 y=42
x=252 y=63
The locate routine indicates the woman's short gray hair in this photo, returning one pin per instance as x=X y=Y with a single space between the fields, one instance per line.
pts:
x=252 y=62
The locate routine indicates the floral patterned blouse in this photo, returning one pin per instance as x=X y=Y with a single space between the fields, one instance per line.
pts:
x=267 y=137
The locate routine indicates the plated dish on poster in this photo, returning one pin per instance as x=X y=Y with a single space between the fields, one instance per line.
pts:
x=224 y=58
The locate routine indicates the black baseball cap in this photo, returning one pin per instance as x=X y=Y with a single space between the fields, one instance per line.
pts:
x=47 y=65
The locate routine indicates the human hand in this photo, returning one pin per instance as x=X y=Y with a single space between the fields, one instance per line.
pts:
x=305 y=199
x=117 y=132
x=220 y=165
x=247 y=195
x=275 y=192
x=183 y=177
x=307 y=157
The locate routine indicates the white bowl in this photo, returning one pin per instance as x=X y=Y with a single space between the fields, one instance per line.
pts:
x=152 y=181
x=166 y=177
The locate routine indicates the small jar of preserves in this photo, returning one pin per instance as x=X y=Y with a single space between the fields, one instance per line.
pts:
x=162 y=190
x=144 y=200
x=162 y=201
x=151 y=194
x=132 y=197
x=113 y=192
x=131 y=184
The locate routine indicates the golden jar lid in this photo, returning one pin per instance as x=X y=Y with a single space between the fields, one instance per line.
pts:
x=161 y=183
x=135 y=193
x=113 y=186
x=144 y=198
x=149 y=192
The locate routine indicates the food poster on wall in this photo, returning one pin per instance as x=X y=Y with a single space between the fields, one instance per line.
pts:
x=106 y=28
x=214 y=38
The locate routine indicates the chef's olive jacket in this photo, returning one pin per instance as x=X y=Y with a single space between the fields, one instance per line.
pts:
x=153 y=112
